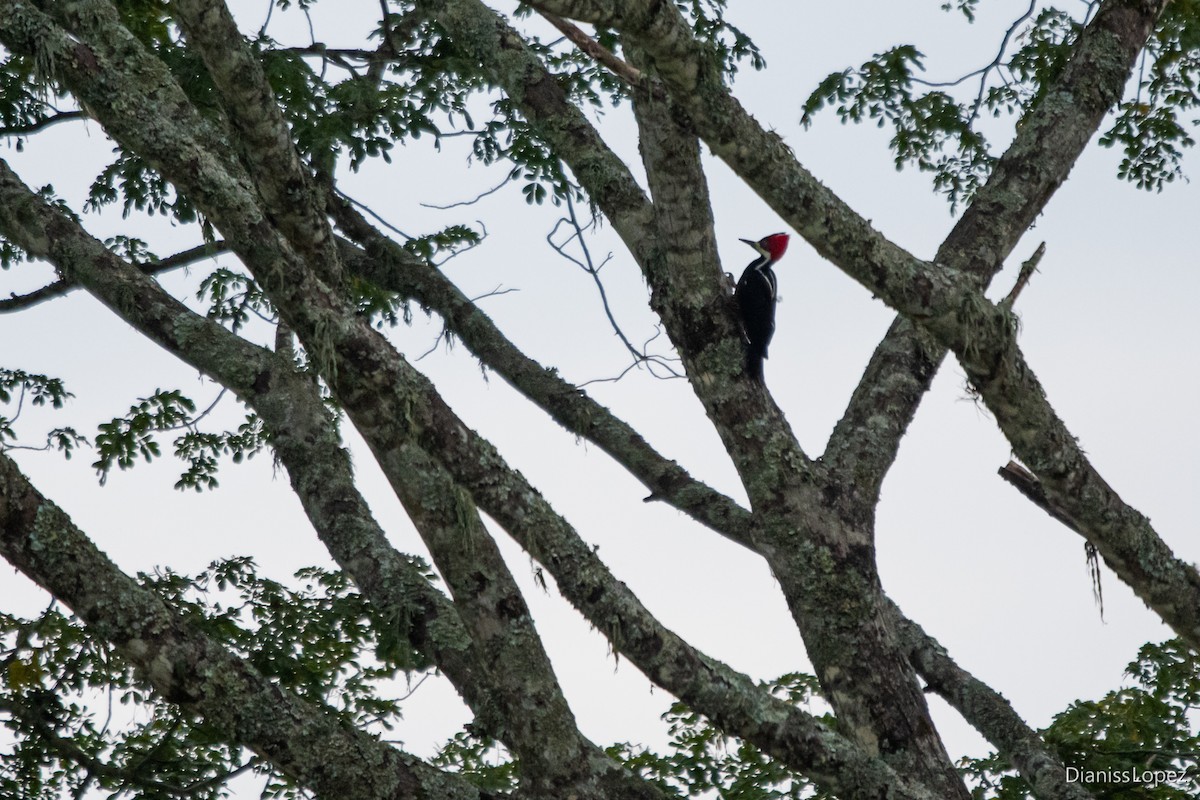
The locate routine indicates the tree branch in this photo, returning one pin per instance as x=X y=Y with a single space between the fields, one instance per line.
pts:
x=1028 y=267
x=525 y=704
x=266 y=143
x=305 y=742
x=512 y=690
x=63 y=286
x=1048 y=141
x=42 y=124
x=591 y=47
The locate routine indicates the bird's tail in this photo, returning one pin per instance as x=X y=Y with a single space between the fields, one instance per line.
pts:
x=754 y=361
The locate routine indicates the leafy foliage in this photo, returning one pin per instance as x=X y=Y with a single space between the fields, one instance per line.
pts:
x=132 y=181
x=131 y=249
x=939 y=132
x=317 y=638
x=40 y=390
x=10 y=254
x=1141 y=742
x=730 y=44
x=484 y=762
x=124 y=440
x=508 y=136
x=965 y=7
x=924 y=124
x=201 y=451
x=703 y=761
x=446 y=242
x=25 y=98
x=233 y=297
x=1152 y=128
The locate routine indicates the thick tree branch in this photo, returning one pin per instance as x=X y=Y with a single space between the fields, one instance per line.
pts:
x=1047 y=144
x=280 y=178
x=304 y=741
x=866 y=440
x=512 y=688
x=828 y=577
x=525 y=705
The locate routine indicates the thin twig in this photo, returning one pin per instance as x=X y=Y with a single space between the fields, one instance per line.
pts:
x=474 y=200
x=372 y=213
x=591 y=268
x=985 y=70
x=42 y=124
x=186 y=258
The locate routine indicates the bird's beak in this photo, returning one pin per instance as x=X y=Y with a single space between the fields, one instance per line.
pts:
x=755 y=245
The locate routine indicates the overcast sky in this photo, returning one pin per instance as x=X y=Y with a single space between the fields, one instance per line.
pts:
x=1108 y=324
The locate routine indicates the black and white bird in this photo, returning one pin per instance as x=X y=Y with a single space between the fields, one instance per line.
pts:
x=756 y=297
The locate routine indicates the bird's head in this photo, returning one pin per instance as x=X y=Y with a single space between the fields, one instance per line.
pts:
x=773 y=246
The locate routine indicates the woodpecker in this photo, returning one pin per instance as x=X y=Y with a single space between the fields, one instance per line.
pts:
x=755 y=295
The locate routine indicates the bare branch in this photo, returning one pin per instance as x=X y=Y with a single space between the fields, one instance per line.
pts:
x=1028 y=267
x=42 y=124
x=594 y=49
x=472 y=201
x=63 y=286
x=640 y=357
